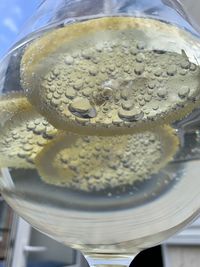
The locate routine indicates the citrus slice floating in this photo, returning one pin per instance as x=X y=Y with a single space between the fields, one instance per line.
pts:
x=23 y=135
x=91 y=163
x=11 y=104
x=108 y=76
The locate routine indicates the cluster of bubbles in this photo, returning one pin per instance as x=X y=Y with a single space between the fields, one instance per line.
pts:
x=85 y=163
x=98 y=163
x=111 y=80
x=96 y=104
x=24 y=136
x=106 y=162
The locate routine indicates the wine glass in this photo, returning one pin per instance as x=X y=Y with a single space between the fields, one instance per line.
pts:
x=99 y=114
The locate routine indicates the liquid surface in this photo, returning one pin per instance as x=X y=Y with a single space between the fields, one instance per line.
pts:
x=102 y=133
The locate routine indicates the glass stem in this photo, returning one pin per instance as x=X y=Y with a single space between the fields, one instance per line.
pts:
x=104 y=260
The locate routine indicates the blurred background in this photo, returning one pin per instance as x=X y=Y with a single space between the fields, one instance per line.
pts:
x=23 y=246
x=13 y=14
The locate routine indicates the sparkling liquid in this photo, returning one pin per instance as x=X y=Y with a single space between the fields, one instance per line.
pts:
x=100 y=135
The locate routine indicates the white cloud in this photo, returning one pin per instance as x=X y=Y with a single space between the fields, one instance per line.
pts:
x=10 y=24
x=17 y=11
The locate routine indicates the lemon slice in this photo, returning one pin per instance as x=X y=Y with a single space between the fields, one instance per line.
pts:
x=98 y=163
x=24 y=133
x=10 y=104
x=107 y=76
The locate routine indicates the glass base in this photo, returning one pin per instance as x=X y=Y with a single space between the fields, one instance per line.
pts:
x=103 y=260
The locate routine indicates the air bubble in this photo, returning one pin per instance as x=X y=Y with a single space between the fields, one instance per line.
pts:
x=70 y=93
x=183 y=72
x=185 y=64
x=139 y=69
x=78 y=85
x=142 y=102
x=171 y=71
x=86 y=92
x=111 y=67
x=127 y=105
x=140 y=58
x=155 y=107
x=93 y=71
x=86 y=54
x=99 y=48
x=81 y=107
x=124 y=94
x=130 y=115
x=56 y=95
x=69 y=60
x=158 y=72
x=148 y=98
x=184 y=91
x=55 y=102
x=193 y=67
x=107 y=93
x=127 y=69
x=162 y=92
x=28 y=147
x=152 y=84
x=56 y=72
x=133 y=51
x=30 y=125
x=141 y=45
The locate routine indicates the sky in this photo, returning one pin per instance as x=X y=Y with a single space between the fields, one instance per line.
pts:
x=13 y=14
